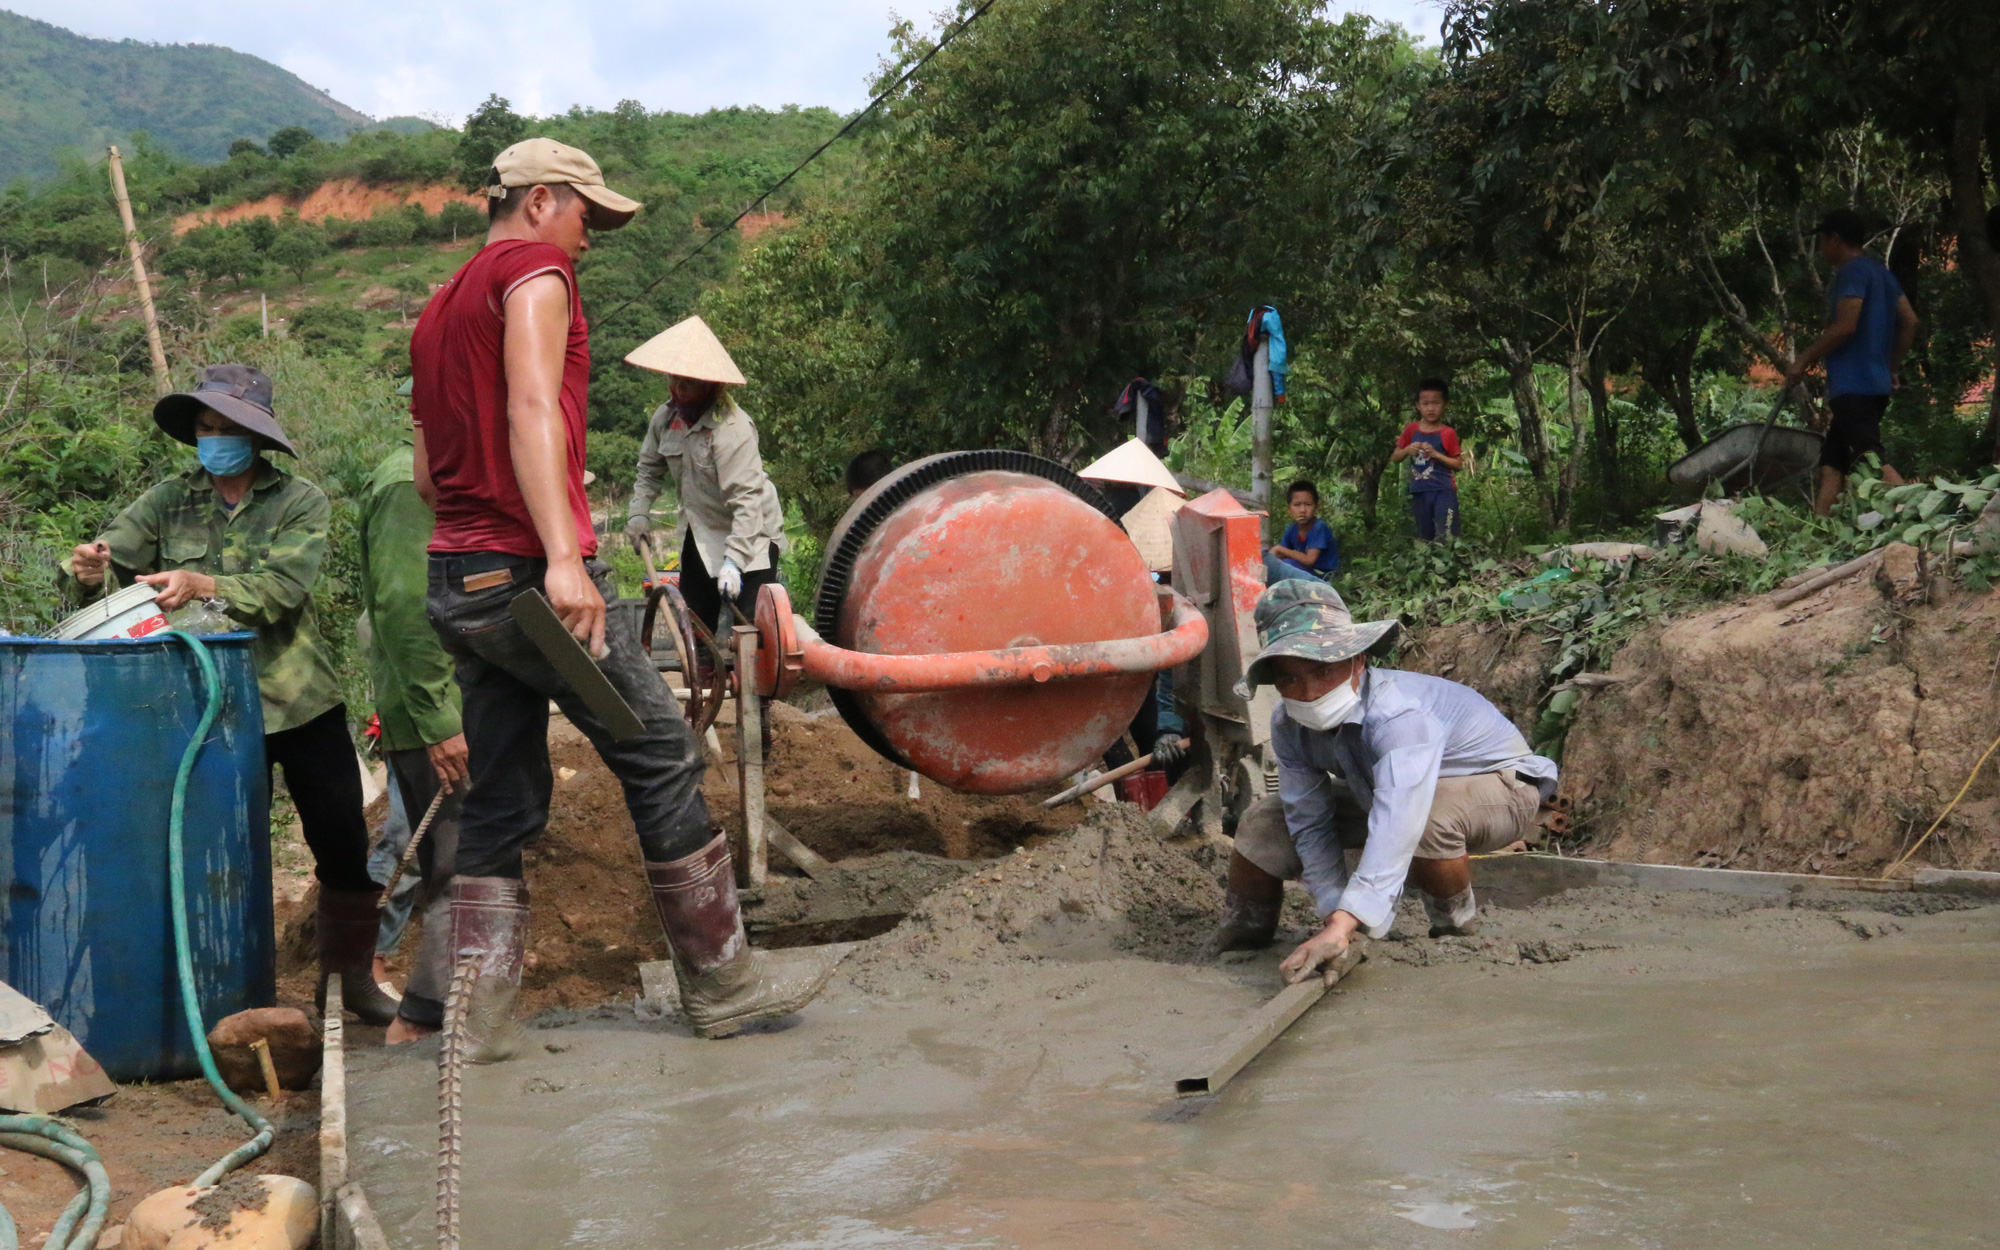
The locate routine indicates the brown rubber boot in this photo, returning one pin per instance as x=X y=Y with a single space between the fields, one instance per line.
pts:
x=489 y=919
x=1250 y=909
x=345 y=928
x=724 y=984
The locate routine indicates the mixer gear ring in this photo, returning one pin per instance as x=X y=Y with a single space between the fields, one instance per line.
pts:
x=874 y=507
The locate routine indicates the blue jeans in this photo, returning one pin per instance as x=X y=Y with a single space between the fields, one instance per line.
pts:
x=1437 y=514
x=382 y=865
x=1278 y=569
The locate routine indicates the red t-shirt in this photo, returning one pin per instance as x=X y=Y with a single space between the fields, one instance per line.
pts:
x=460 y=400
x=1428 y=474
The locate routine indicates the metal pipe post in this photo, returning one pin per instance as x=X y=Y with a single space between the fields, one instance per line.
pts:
x=1260 y=425
x=161 y=382
x=750 y=757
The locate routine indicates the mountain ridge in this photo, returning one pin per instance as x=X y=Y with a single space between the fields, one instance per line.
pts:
x=63 y=91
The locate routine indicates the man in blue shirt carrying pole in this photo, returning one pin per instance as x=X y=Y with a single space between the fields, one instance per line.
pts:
x=1870 y=330
x=1416 y=772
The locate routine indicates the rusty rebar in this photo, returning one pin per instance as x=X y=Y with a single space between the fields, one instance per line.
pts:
x=451 y=1104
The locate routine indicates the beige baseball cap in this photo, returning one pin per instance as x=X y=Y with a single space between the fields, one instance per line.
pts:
x=535 y=162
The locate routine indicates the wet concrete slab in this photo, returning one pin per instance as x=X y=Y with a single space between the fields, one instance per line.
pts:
x=1683 y=1078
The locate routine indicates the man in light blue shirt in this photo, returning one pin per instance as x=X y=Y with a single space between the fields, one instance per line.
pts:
x=1414 y=771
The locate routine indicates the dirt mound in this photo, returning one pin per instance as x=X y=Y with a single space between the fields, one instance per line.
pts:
x=1508 y=663
x=1110 y=885
x=593 y=921
x=1822 y=736
x=349 y=199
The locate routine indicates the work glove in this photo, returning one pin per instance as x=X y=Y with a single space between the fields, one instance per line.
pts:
x=1168 y=751
x=638 y=525
x=730 y=580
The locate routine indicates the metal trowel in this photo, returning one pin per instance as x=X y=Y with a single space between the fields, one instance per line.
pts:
x=545 y=629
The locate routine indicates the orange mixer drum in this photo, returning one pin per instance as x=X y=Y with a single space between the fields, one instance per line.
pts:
x=982 y=551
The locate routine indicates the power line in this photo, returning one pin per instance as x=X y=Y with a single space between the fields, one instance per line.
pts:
x=775 y=187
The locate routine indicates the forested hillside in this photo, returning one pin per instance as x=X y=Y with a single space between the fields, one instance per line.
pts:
x=1594 y=219
x=61 y=93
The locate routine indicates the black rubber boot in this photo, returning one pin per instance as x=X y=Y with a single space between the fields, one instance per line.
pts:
x=347 y=923
x=1250 y=909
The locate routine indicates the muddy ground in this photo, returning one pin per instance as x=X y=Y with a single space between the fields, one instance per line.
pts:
x=1607 y=1067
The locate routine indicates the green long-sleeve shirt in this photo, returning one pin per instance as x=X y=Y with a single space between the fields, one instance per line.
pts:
x=415 y=694
x=264 y=557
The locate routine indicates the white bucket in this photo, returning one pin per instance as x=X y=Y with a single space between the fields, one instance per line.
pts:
x=132 y=612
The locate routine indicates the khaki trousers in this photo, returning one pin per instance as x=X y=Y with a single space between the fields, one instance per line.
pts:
x=1469 y=816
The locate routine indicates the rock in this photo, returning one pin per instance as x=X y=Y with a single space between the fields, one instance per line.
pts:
x=1722 y=532
x=112 y=1238
x=1610 y=553
x=295 y=1047
x=242 y=1213
x=1901 y=576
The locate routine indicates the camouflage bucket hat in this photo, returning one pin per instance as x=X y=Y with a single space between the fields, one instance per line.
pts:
x=1308 y=618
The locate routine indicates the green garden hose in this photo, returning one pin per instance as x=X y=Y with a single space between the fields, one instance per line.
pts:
x=83 y=1219
x=177 y=878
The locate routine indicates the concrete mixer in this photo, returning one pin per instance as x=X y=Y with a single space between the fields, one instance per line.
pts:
x=982 y=620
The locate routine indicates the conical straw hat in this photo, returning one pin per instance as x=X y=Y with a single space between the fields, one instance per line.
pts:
x=688 y=349
x=1135 y=463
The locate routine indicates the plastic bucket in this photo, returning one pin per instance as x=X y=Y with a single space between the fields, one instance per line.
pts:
x=1146 y=788
x=133 y=612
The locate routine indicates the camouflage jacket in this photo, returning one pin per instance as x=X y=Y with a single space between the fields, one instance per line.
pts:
x=264 y=557
x=415 y=694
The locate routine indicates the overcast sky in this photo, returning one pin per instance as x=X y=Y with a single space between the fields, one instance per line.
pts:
x=441 y=57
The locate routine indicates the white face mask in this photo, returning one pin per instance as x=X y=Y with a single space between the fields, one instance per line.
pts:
x=1334 y=708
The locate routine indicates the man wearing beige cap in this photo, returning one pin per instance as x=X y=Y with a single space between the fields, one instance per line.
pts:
x=501 y=366
x=732 y=526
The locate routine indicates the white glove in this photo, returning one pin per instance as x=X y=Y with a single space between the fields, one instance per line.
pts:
x=638 y=523
x=730 y=580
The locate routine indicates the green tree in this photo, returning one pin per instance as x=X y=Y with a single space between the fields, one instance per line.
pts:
x=492 y=127
x=298 y=248
x=290 y=141
x=329 y=330
x=1074 y=192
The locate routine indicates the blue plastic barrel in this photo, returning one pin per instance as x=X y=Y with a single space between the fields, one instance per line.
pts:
x=91 y=734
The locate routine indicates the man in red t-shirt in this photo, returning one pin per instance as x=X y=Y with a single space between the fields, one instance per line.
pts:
x=501 y=368
x=1433 y=446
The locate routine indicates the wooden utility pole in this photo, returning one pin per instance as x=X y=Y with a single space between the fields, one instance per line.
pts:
x=161 y=382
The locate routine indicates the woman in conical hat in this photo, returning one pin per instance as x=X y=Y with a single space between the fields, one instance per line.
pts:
x=732 y=527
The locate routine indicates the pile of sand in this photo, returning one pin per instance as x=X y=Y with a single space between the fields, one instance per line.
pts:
x=1109 y=886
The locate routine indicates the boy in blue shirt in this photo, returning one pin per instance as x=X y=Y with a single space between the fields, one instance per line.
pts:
x=1871 y=328
x=1308 y=548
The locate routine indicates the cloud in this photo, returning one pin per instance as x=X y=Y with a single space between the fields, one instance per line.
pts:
x=394 y=57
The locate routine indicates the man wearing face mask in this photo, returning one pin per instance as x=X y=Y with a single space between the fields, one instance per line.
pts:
x=238 y=528
x=1416 y=772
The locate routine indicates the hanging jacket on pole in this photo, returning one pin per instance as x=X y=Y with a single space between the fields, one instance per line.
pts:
x=1265 y=319
x=1153 y=430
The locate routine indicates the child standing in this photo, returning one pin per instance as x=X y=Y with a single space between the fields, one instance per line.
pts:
x=1308 y=548
x=1433 y=446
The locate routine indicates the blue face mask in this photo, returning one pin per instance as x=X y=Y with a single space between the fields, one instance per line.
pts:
x=226 y=455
